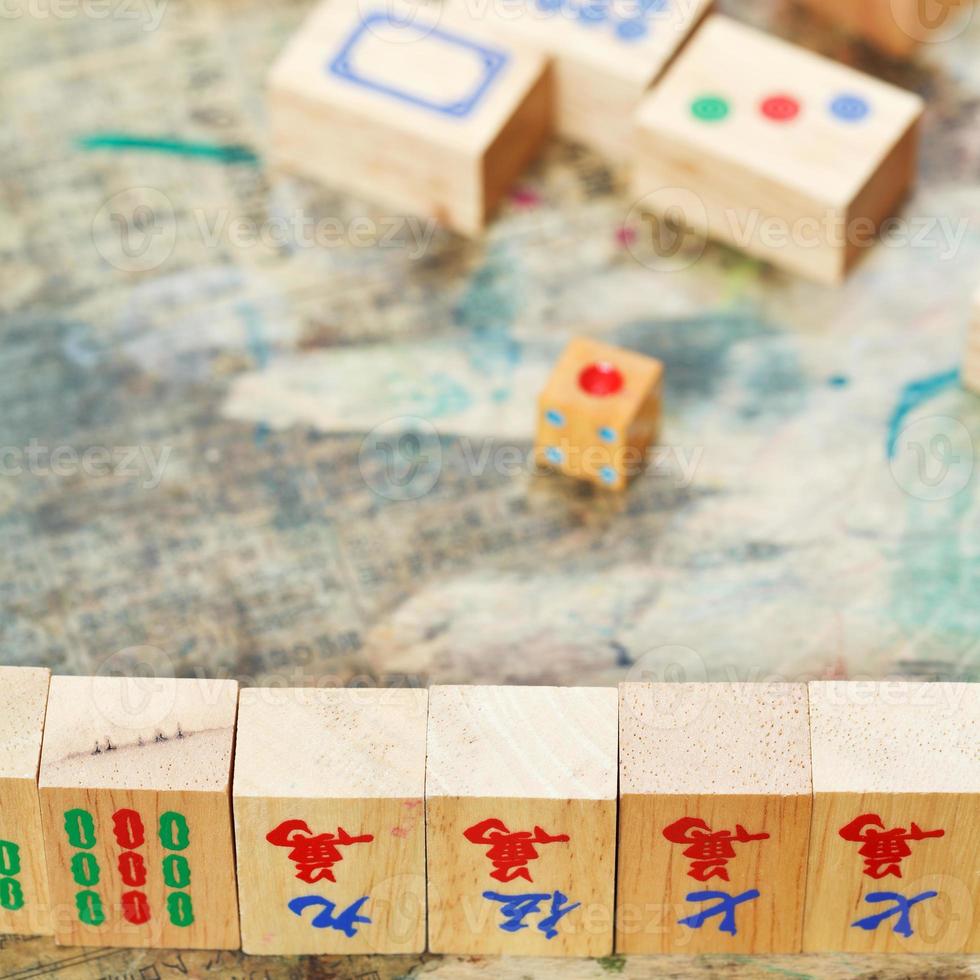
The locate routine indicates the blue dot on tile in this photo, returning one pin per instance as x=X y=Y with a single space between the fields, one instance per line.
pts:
x=838 y=381
x=850 y=108
x=553 y=454
x=554 y=417
x=632 y=30
x=593 y=13
x=606 y=434
x=608 y=474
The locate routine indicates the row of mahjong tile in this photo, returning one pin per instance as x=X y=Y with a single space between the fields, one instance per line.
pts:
x=781 y=107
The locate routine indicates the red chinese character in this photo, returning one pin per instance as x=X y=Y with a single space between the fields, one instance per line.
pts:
x=883 y=851
x=510 y=851
x=711 y=850
x=313 y=854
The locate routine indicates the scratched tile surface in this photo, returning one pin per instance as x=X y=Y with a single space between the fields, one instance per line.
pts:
x=205 y=465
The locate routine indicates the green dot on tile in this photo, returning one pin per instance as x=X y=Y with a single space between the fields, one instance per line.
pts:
x=709 y=108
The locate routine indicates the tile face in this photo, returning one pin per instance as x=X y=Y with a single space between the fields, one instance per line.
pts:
x=714 y=818
x=135 y=804
x=24 y=904
x=774 y=150
x=971 y=363
x=599 y=413
x=521 y=820
x=329 y=821
x=896 y=780
x=417 y=110
x=606 y=55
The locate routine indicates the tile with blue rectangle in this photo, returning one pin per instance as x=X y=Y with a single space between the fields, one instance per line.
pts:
x=489 y=64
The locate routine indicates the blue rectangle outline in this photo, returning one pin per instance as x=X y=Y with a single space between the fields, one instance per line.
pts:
x=494 y=62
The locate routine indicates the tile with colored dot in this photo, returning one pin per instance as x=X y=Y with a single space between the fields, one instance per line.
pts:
x=609 y=400
x=709 y=108
x=606 y=54
x=775 y=150
x=135 y=797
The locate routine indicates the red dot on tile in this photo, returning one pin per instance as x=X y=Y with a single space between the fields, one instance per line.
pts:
x=525 y=197
x=780 y=108
x=625 y=235
x=601 y=379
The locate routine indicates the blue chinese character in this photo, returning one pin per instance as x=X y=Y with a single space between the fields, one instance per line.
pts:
x=516 y=908
x=346 y=922
x=901 y=908
x=725 y=908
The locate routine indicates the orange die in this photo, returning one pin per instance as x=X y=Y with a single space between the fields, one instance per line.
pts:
x=599 y=413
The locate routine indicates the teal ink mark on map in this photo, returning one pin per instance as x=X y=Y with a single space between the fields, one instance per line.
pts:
x=914 y=394
x=223 y=152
